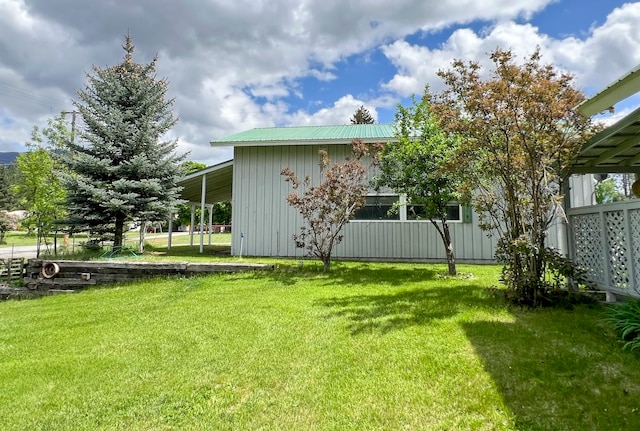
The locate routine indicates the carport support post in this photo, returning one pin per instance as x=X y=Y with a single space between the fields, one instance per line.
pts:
x=210 y=222
x=193 y=222
x=202 y=203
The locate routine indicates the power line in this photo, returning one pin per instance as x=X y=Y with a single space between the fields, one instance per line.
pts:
x=28 y=96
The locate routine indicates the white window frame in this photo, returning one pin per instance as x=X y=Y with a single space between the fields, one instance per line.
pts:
x=402 y=211
x=458 y=220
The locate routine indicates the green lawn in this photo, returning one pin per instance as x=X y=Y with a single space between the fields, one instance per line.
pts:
x=183 y=239
x=370 y=346
x=19 y=238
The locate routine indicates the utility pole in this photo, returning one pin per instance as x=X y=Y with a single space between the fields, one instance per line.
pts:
x=73 y=123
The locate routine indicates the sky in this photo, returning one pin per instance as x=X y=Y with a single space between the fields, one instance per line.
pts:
x=233 y=65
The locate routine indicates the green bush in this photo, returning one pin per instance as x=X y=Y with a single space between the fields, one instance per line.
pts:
x=625 y=319
x=92 y=245
x=536 y=276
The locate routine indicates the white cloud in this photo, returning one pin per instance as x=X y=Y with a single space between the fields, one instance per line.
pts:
x=418 y=65
x=238 y=65
x=340 y=113
x=610 y=51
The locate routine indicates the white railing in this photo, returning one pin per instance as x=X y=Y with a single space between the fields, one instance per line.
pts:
x=605 y=241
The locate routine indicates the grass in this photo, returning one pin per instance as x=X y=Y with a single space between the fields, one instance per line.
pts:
x=20 y=238
x=160 y=240
x=369 y=346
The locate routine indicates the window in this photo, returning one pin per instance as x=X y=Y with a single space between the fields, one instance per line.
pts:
x=417 y=212
x=377 y=208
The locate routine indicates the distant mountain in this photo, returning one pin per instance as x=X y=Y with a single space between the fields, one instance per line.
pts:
x=7 y=158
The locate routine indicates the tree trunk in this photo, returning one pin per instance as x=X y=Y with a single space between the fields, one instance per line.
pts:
x=118 y=231
x=143 y=230
x=446 y=241
x=326 y=264
x=451 y=259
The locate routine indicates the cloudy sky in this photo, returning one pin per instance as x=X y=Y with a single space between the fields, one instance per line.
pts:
x=238 y=64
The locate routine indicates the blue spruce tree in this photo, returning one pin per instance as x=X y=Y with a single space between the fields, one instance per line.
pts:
x=121 y=169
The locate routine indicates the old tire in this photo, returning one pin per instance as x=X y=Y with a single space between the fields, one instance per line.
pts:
x=50 y=269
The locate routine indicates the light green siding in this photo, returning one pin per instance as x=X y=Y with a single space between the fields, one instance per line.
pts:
x=268 y=222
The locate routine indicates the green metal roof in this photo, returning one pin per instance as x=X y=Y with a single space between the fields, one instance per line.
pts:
x=616 y=148
x=624 y=87
x=308 y=135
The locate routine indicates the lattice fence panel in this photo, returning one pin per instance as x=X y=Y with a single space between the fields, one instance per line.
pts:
x=588 y=246
x=616 y=233
x=634 y=218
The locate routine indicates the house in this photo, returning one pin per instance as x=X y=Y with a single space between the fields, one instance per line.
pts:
x=263 y=222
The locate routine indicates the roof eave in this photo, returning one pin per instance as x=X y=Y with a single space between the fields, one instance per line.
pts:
x=624 y=87
x=612 y=130
x=206 y=171
x=341 y=141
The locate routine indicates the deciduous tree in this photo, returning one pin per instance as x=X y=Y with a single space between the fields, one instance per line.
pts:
x=328 y=206
x=416 y=166
x=521 y=136
x=8 y=178
x=123 y=170
x=39 y=188
x=606 y=192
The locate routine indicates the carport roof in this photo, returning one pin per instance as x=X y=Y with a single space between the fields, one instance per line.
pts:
x=219 y=180
x=616 y=148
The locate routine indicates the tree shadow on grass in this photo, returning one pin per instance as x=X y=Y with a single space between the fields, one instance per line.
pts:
x=392 y=311
x=555 y=374
x=221 y=251
x=289 y=274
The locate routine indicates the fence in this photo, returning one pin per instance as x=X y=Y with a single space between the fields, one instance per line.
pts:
x=12 y=270
x=605 y=241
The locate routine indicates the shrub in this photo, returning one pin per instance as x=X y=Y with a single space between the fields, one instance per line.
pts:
x=92 y=245
x=625 y=318
x=536 y=276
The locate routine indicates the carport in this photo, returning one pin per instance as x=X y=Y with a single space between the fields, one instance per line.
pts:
x=204 y=188
x=605 y=239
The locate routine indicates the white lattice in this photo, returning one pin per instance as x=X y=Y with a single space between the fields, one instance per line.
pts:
x=617 y=246
x=588 y=245
x=634 y=218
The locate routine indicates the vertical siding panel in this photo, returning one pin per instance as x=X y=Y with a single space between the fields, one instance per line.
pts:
x=257 y=237
x=280 y=190
x=235 y=199
x=273 y=198
x=417 y=240
x=478 y=238
x=290 y=222
x=251 y=192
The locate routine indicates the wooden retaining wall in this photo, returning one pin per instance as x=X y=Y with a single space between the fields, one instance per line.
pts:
x=70 y=275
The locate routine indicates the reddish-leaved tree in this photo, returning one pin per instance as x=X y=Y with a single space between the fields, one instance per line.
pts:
x=520 y=134
x=329 y=205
